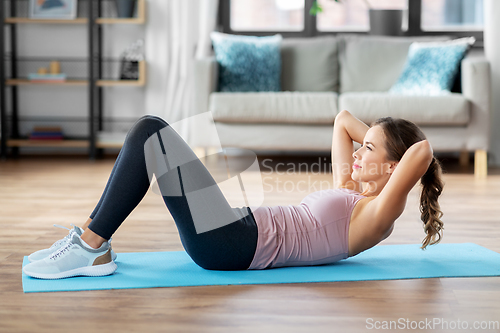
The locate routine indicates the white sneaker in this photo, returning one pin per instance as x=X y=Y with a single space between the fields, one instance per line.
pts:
x=42 y=254
x=75 y=258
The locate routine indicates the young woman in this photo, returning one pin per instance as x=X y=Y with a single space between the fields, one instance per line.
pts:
x=325 y=227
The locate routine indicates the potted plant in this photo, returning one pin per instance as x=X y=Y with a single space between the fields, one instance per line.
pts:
x=382 y=21
x=125 y=8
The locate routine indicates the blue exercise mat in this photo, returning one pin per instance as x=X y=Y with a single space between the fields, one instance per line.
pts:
x=383 y=262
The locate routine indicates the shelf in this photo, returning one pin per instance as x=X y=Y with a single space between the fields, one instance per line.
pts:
x=100 y=83
x=124 y=83
x=108 y=145
x=47 y=143
x=119 y=20
x=140 y=19
x=119 y=83
x=110 y=140
x=26 y=82
x=104 y=140
x=26 y=20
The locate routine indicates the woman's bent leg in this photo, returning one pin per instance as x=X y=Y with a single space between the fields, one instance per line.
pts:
x=128 y=182
x=96 y=209
x=230 y=247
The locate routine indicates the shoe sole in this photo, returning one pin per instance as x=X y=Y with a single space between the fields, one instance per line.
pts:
x=113 y=256
x=99 y=270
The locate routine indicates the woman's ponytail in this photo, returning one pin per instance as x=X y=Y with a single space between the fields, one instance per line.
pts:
x=400 y=135
x=432 y=187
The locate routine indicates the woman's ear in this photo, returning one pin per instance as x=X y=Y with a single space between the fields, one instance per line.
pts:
x=392 y=167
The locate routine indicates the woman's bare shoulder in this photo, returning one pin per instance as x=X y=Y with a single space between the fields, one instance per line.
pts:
x=364 y=230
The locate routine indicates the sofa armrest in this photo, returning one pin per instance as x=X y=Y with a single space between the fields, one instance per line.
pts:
x=476 y=87
x=206 y=77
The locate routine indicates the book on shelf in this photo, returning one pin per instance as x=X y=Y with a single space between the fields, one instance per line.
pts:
x=47 y=129
x=46 y=133
x=34 y=77
x=46 y=137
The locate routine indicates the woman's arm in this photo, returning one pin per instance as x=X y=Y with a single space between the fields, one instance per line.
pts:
x=391 y=201
x=346 y=129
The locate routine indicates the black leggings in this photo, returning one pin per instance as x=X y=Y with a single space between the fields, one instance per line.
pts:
x=230 y=247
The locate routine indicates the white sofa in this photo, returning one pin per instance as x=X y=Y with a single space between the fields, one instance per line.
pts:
x=324 y=75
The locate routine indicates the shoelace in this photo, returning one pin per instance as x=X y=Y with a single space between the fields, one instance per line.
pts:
x=65 y=239
x=60 y=252
x=63 y=227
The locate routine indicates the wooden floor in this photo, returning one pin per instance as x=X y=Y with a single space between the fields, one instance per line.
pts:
x=36 y=192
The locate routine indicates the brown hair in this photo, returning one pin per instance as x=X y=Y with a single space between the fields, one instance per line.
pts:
x=400 y=135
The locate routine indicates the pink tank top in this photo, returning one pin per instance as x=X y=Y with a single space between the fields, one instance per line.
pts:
x=313 y=233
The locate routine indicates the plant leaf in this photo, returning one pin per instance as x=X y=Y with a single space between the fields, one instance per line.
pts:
x=315 y=8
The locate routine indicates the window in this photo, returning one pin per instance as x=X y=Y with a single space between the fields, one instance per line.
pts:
x=452 y=15
x=267 y=15
x=291 y=17
x=352 y=15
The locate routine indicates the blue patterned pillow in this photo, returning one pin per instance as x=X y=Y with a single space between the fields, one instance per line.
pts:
x=248 y=63
x=431 y=67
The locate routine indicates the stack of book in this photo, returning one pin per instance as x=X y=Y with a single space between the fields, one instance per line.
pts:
x=46 y=133
x=33 y=77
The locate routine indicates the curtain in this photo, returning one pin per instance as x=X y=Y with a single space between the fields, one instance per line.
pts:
x=492 y=50
x=208 y=22
x=176 y=32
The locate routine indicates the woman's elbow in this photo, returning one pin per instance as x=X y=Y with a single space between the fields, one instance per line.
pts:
x=427 y=148
x=341 y=116
x=423 y=152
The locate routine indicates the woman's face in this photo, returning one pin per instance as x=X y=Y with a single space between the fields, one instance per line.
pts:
x=370 y=161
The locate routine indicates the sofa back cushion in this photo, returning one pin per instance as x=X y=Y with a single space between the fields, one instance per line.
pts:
x=309 y=64
x=247 y=63
x=373 y=63
x=431 y=68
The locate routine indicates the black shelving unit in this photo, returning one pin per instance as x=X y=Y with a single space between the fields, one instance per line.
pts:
x=14 y=70
x=93 y=59
x=92 y=70
x=3 y=115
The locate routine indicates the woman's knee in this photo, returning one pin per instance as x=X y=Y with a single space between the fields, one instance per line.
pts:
x=148 y=125
x=150 y=122
x=152 y=117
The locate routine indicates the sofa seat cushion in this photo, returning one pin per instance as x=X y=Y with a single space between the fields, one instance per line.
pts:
x=441 y=110
x=272 y=107
x=275 y=138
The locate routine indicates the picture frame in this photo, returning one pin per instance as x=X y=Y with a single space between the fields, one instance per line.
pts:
x=53 y=9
